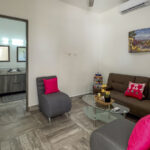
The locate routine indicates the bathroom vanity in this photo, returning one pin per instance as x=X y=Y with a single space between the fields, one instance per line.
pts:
x=11 y=82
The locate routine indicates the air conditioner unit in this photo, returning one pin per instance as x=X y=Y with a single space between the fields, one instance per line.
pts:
x=133 y=4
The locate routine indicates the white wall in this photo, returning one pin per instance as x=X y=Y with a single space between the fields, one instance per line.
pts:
x=114 y=56
x=63 y=40
x=74 y=43
x=12 y=29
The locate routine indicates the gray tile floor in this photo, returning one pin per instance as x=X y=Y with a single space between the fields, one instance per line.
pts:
x=21 y=130
x=12 y=97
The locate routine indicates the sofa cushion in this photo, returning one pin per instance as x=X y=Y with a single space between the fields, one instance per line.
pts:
x=146 y=81
x=119 y=82
x=40 y=83
x=105 y=138
x=149 y=91
x=50 y=85
x=135 y=90
x=138 y=108
x=140 y=136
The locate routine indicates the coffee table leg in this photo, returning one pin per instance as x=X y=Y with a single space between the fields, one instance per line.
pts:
x=94 y=117
x=124 y=115
x=94 y=123
x=109 y=112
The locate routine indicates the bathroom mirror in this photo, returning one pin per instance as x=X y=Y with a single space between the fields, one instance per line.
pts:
x=21 y=54
x=4 y=53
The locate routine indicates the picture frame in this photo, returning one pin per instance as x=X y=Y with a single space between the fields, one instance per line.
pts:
x=139 y=40
x=4 y=53
x=21 y=54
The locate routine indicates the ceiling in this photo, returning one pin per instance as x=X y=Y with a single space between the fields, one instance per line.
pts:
x=99 y=5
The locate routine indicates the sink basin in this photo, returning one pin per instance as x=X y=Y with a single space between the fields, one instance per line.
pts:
x=14 y=70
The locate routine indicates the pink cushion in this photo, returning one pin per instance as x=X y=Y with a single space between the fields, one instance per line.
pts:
x=140 y=136
x=135 y=90
x=51 y=85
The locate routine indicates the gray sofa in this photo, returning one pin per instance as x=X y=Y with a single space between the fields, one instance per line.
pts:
x=112 y=136
x=118 y=84
x=54 y=104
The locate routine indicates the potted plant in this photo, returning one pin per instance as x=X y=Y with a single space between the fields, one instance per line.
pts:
x=103 y=89
x=107 y=97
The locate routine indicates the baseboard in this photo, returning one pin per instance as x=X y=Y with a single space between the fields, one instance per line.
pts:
x=33 y=108
x=79 y=96
x=36 y=107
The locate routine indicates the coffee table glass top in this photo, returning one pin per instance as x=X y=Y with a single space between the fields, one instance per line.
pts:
x=97 y=112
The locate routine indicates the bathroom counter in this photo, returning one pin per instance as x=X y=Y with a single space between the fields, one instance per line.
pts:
x=11 y=73
x=12 y=81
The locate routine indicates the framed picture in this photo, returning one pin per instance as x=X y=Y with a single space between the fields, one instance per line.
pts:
x=21 y=54
x=139 y=41
x=4 y=53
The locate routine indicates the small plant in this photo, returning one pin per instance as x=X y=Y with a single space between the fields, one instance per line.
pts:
x=104 y=86
x=107 y=94
x=103 y=91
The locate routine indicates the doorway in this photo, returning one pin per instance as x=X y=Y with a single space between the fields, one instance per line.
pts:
x=13 y=61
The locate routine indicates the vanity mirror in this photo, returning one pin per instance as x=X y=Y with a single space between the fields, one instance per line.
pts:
x=4 y=53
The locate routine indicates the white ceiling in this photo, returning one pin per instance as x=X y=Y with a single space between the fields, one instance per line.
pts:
x=99 y=5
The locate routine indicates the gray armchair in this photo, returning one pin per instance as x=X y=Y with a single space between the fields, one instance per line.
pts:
x=112 y=136
x=54 y=104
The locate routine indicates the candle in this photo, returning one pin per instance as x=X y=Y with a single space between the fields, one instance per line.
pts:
x=99 y=95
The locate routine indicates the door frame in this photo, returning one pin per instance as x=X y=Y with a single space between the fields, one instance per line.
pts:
x=27 y=53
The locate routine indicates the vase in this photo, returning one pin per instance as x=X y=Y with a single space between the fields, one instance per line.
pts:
x=107 y=99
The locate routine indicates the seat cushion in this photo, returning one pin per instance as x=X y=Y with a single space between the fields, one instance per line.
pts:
x=112 y=136
x=138 y=108
x=119 y=82
x=58 y=103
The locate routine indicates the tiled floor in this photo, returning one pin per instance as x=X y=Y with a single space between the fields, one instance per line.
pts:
x=20 y=130
x=12 y=97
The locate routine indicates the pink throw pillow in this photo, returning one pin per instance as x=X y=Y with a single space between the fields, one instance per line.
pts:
x=135 y=90
x=51 y=85
x=140 y=136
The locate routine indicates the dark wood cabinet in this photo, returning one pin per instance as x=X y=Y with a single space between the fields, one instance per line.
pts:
x=3 y=84
x=12 y=83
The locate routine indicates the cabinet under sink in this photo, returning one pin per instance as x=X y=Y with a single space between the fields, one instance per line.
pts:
x=11 y=83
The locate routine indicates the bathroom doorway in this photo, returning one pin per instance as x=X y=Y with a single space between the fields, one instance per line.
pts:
x=13 y=62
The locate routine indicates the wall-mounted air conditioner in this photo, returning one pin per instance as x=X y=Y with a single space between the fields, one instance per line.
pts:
x=133 y=4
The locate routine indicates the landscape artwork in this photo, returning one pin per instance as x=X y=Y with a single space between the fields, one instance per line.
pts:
x=139 y=41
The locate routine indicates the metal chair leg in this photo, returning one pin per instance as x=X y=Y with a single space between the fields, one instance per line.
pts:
x=67 y=114
x=49 y=120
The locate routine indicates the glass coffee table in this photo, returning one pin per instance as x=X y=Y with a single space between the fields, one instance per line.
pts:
x=98 y=112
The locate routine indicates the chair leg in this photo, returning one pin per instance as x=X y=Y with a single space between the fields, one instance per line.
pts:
x=67 y=114
x=49 y=120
